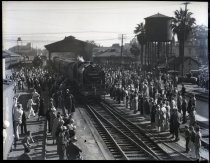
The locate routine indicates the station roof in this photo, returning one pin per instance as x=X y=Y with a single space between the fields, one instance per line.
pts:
x=7 y=53
x=158 y=15
x=68 y=44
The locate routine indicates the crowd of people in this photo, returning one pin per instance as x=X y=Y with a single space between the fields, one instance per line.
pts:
x=60 y=125
x=155 y=94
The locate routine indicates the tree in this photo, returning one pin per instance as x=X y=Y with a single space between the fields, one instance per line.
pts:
x=90 y=45
x=182 y=24
x=135 y=50
x=141 y=37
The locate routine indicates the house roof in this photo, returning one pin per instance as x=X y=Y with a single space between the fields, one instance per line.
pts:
x=158 y=15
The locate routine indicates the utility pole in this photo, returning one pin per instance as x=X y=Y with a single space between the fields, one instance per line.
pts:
x=186 y=3
x=122 y=45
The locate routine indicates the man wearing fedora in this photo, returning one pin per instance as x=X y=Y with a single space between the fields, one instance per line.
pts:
x=72 y=151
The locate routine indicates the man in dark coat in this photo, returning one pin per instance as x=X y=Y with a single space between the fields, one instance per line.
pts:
x=69 y=102
x=41 y=108
x=153 y=113
x=146 y=106
x=176 y=121
x=23 y=124
x=61 y=141
x=187 y=138
x=184 y=109
x=141 y=109
x=72 y=151
x=172 y=122
x=183 y=90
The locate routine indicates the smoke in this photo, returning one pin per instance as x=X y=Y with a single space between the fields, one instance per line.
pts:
x=81 y=59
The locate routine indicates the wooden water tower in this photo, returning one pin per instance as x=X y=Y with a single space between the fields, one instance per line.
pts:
x=159 y=40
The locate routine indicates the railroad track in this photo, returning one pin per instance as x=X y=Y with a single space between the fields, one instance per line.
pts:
x=120 y=145
x=176 y=154
x=134 y=141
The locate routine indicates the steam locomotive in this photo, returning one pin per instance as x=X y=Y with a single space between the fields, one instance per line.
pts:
x=88 y=77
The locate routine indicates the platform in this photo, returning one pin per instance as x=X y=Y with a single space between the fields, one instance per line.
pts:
x=88 y=138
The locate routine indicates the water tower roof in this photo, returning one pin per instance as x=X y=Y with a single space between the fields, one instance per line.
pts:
x=158 y=15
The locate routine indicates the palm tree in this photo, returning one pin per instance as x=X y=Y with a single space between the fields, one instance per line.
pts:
x=141 y=37
x=182 y=25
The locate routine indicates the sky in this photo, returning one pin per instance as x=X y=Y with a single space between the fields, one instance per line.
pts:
x=44 y=22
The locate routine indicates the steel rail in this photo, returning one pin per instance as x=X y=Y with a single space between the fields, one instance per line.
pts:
x=143 y=132
x=107 y=132
x=134 y=135
x=122 y=133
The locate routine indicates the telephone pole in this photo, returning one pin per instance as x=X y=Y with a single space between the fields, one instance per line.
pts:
x=122 y=45
x=186 y=3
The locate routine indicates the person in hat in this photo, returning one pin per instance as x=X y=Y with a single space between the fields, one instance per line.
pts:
x=176 y=119
x=41 y=109
x=52 y=114
x=141 y=101
x=183 y=90
x=48 y=114
x=36 y=99
x=72 y=151
x=55 y=125
x=70 y=103
x=157 y=118
x=168 y=114
x=187 y=138
x=198 y=137
x=71 y=129
x=179 y=102
x=61 y=140
x=30 y=110
x=23 y=124
x=192 y=140
x=18 y=113
x=153 y=113
x=184 y=109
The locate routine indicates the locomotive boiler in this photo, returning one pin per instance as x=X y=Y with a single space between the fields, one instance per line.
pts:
x=87 y=76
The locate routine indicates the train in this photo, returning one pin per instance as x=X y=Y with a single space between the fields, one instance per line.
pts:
x=88 y=77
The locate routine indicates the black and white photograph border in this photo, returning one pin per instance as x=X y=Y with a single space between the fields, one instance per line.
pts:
x=105 y=80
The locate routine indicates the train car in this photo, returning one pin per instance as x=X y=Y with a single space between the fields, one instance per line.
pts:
x=88 y=77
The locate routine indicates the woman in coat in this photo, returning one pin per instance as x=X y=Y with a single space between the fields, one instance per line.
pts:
x=56 y=123
x=52 y=114
x=153 y=113
x=41 y=108
x=157 y=118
